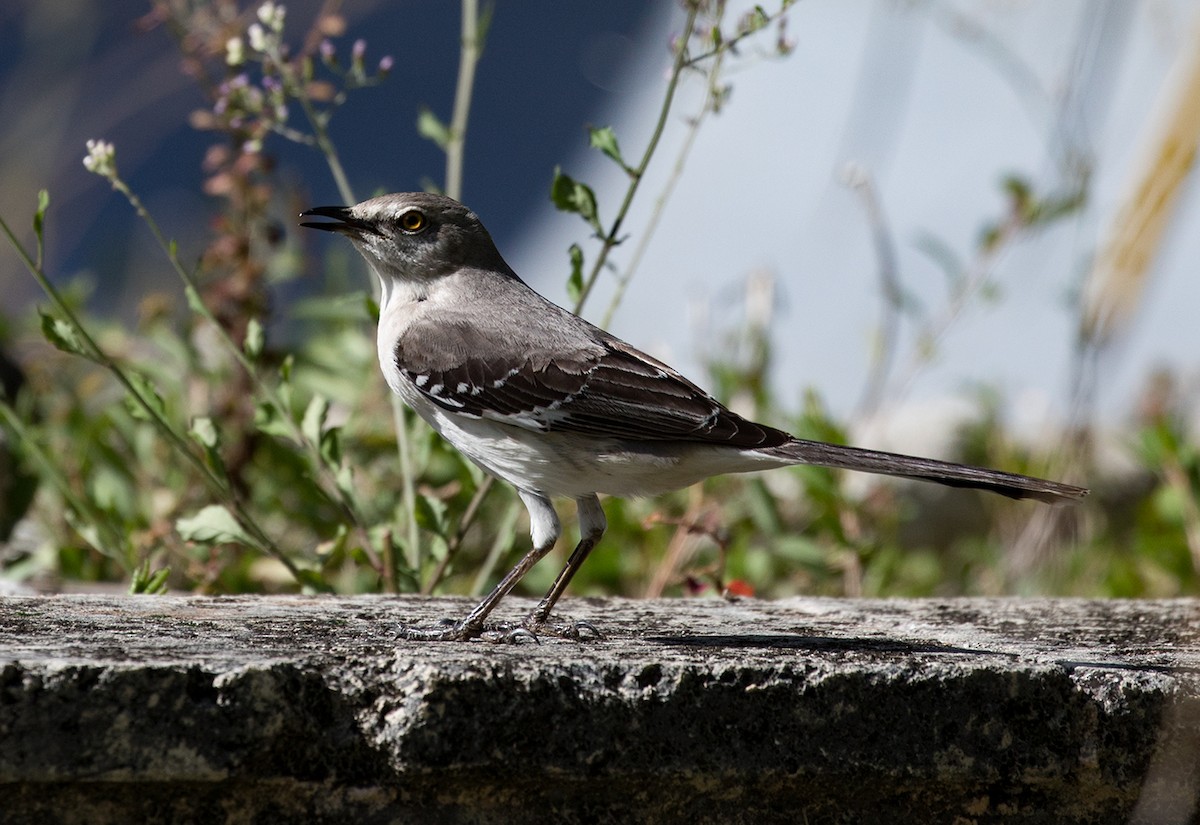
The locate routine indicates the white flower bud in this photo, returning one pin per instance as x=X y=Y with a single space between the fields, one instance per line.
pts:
x=235 y=51
x=101 y=158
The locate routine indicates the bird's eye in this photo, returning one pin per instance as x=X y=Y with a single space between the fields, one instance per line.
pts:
x=413 y=220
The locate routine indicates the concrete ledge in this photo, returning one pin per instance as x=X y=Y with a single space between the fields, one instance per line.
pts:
x=269 y=709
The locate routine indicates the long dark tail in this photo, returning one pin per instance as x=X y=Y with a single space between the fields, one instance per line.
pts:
x=926 y=469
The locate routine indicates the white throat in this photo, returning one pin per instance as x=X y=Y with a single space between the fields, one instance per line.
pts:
x=398 y=306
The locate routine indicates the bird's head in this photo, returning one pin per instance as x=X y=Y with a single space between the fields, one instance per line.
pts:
x=413 y=236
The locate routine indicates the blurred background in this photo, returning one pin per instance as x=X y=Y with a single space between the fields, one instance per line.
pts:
x=962 y=229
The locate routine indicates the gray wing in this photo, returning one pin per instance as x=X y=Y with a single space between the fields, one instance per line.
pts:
x=609 y=391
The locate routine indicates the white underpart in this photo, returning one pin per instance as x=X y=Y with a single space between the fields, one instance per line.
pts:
x=544 y=527
x=592 y=522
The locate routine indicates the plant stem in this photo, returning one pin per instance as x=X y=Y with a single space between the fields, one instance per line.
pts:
x=408 y=490
x=321 y=135
x=668 y=189
x=610 y=239
x=732 y=43
x=468 y=59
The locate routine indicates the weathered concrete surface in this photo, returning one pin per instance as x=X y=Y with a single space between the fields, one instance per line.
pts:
x=253 y=709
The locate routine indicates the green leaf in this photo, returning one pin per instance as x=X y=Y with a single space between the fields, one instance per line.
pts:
x=312 y=579
x=802 y=551
x=195 y=303
x=345 y=480
x=63 y=335
x=149 y=397
x=333 y=549
x=144 y=582
x=431 y=514
x=214 y=524
x=252 y=344
x=438 y=548
x=431 y=127
x=331 y=446
x=575 y=281
x=112 y=492
x=285 y=380
x=605 y=140
x=327 y=439
x=205 y=432
x=268 y=419
x=570 y=195
x=754 y=21
x=158 y=582
x=91 y=533
x=1017 y=188
x=39 y=217
x=313 y=424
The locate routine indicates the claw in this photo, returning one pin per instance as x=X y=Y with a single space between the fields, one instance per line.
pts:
x=517 y=635
x=581 y=626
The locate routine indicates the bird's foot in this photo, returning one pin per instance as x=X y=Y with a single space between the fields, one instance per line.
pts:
x=528 y=630
x=578 y=631
x=448 y=630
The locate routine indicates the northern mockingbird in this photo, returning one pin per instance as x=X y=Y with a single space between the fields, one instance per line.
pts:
x=555 y=406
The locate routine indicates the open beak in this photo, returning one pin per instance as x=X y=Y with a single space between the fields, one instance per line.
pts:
x=346 y=223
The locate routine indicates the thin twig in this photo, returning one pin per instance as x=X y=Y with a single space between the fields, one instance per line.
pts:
x=732 y=43
x=319 y=126
x=611 y=239
x=668 y=189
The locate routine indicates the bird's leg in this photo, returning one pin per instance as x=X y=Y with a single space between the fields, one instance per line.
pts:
x=545 y=528
x=591 y=527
